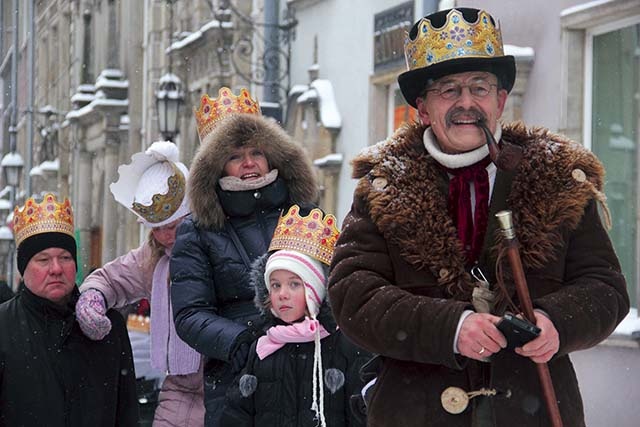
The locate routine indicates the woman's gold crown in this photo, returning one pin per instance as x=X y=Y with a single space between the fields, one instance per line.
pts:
x=211 y=111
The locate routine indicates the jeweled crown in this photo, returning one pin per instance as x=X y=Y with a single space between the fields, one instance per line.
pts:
x=49 y=216
x=314 y=235
x=456 y=39
x=211 y=111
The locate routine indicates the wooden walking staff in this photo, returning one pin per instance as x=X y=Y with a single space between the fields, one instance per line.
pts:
x=506 y=225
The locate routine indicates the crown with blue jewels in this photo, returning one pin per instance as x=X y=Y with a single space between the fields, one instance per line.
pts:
x=456 y=39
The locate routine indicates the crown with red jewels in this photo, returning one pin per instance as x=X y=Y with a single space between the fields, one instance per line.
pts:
x=314 y=235
x=49 y=216
x=211 y=111
x=456 y=39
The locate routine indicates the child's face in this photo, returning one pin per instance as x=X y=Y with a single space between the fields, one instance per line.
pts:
x=287 y=295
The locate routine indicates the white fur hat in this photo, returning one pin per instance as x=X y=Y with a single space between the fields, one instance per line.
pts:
x=153 y=185
x=309 y=270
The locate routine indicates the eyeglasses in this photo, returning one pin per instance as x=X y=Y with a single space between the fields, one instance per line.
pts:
x=452 y=90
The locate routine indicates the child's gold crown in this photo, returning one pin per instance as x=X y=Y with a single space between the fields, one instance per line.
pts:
x=314 y=235
x=46 y=217
x=211 y=111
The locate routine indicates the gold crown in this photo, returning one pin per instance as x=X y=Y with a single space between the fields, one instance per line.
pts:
x=46 y=217
x=315 y=234
x=456 y=39
x=139 y=323
x=164 y=205
x=212 y=110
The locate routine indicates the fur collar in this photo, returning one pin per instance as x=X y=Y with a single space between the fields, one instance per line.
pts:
x=239 y=130
x=405 y=191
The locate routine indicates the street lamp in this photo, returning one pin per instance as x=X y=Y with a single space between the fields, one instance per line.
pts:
x=168 y=100
x=12 y=165
x=169 y=94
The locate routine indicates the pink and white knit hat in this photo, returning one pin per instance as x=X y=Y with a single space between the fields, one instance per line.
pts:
x=309 y=270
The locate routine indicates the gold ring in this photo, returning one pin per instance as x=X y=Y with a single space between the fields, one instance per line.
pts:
x=481 y=350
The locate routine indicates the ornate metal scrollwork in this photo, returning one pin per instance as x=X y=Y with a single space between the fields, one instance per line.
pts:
x=259 y=52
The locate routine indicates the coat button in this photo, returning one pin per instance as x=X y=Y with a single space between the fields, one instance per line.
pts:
x=250 y=323
x=257 y=195
x=579 y=175
x=454 y=400
x=379 y=183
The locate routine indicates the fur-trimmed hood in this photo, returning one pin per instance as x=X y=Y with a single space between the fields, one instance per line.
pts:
x=405 y=191
x=240 y=130
x=325 y=317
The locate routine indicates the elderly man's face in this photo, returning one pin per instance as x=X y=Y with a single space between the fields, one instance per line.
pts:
x=50 y=274
x=454 y=103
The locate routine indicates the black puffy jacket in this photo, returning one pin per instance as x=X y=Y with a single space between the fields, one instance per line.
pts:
x=210 y=292
x=278 y=390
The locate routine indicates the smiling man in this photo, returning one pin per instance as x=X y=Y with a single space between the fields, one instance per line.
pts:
x=50 y=373
x=417 y=277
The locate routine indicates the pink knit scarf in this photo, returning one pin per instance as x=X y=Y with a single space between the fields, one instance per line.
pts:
x=168 y=352
x=278 y=336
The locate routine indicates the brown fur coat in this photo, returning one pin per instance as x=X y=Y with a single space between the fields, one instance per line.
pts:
x=398 y=283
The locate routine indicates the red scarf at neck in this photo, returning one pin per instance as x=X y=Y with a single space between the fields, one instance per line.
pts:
x=471 y=231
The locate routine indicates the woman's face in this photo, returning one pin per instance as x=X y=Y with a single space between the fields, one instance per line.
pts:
x=287 y=295
x=246 y=163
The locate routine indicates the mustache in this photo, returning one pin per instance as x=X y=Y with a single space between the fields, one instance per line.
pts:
x=460 y=112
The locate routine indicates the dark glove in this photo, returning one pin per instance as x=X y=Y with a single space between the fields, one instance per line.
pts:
x=239 y=357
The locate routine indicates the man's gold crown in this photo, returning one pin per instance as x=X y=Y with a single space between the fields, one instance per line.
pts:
x=314 y=235
x=211 y=111
x=46 y=217
x=456 y=39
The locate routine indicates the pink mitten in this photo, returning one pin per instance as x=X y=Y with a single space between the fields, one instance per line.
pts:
x=90 y=312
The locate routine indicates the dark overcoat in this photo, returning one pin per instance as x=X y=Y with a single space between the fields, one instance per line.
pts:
x=51 y=374
x=398 y=283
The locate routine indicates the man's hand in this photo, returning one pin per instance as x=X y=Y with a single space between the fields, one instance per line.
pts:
x=91 y=314
x=541 y=349
x=479 y=338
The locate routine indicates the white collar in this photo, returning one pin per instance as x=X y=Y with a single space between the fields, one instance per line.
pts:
x=454 y=161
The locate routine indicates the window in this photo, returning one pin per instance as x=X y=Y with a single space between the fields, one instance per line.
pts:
x=601 y=89
x=400 y=111
x=611 y=118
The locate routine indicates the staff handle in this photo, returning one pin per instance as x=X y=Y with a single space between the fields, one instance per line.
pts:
x=506 y=225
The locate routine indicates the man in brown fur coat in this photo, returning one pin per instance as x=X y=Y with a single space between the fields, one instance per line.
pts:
x=421 y=236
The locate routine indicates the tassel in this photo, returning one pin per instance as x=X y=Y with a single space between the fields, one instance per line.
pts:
x=318 y=383
x=248 y=384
